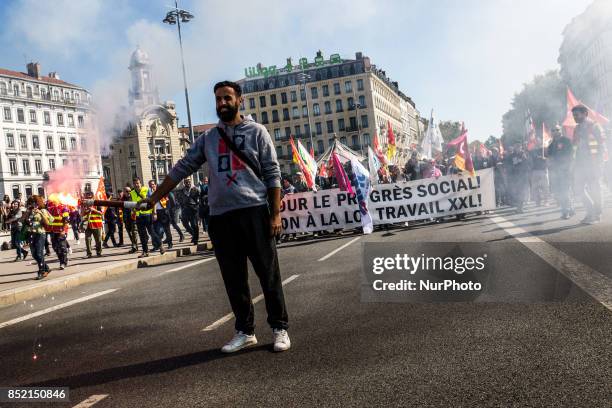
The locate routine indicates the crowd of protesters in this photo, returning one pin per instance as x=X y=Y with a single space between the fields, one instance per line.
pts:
x=37 y=225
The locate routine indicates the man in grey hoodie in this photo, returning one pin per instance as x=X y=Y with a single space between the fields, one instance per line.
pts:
x=244 y=202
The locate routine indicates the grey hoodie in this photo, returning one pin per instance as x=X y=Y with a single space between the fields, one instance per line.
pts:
x=232 y=184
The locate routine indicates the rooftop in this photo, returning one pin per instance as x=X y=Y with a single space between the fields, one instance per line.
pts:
x=46 y=79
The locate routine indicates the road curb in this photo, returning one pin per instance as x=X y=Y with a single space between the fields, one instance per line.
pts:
x=17 y=295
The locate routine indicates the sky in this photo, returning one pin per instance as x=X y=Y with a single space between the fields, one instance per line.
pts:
x=465 y=60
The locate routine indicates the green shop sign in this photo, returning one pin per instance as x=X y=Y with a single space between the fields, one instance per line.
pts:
x=272 y=70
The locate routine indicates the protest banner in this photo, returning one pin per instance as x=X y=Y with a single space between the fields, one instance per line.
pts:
x=390 y=203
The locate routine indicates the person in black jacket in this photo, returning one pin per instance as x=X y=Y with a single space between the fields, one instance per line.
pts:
x=174 y=210
x=561 y=162
x=189 y=199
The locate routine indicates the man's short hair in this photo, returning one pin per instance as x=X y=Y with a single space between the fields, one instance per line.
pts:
x=231 y=84
x=580 y=108
x=137 y=178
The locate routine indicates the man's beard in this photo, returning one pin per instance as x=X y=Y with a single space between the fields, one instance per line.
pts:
x=228 y=113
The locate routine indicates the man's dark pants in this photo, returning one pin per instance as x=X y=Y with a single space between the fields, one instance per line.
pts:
x=162 y=226
x=144 y=222
x=191 y=221
x=236 y=236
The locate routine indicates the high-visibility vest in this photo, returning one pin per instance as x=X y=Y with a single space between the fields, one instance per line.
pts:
x=94 y=221
x=137 y=197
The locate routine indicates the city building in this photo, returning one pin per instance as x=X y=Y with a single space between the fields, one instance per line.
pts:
x=46 y=124
x=350 y=99
x=585 y=56
x=197 y=132
x=149 y=144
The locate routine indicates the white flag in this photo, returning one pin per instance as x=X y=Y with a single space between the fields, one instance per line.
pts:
x=374 y=165
x=362 y=191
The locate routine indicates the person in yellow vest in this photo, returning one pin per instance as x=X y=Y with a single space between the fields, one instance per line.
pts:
x=93 y=227
x=144 y=220
x=591 y=153
x=161 y=219
x=59 y=231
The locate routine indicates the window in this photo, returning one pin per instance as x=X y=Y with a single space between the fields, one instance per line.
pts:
x=343 y=140
x=273 y=99
x=131 y=151
x=86 y=166
x=275 y=116
x=264 y=117
x=285 y=114
x=348 y=87
x=306 y=129
x=293 y=96
x=66 y=95
x=64 y=162
x=32 y=116
x=283 y=97
x=302 y=94
x=38 y=166
x=328 y=107
x=351 y=103
x=3 y=88
x=55 y=95
x=262 y=101
x=304 y=111
x=341 y=124
x=20 y=116
x=43 y=94
x=26 y=166
x=16 y=191
x=279 y=152
x=287 y=132
x=360 y=84
x=49 y=142
x=364 y=121
x=296 y=112
x=254 y=116
x=319 y=128
x=10 y=141
x=16 y=90
x=29 y=92
x=354 y=140
x=330 y=126
x=81 y=122
x=35 y=142
x=60 y=119
x=13 y=166
x=353 y=122
x=251 y=103
x=339 y=105
x=316 y=109
x=84 y=145
x=63 y=143
x=77 y=97
x=314 y=92
x=325 y=90
x=47 y=118
x=70 y=120
x=7 y=114
x=298 y=131
x=277 y=134
x=366 y=139
x=51 y=164
x=23 y=142
x=320 y=146
x=73 y=144
x=336 y=88
x=362 y=103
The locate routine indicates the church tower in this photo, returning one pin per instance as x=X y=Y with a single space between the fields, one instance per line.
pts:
x=142 y=93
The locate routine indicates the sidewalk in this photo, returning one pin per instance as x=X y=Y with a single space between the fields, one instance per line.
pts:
x=18 y=279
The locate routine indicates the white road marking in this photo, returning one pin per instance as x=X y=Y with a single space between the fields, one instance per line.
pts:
x=54 y=308
x=588 y=279
x=335 y=251
x=189 y=265
x=230 y=316
x=94 y=399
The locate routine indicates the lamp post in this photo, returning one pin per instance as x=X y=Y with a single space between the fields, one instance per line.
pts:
x=178 y=16
x=303 y=77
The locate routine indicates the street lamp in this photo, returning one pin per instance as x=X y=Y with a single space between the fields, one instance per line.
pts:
x=178 y=16
x=303 y=77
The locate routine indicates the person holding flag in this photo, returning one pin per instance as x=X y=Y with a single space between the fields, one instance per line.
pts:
x=561 y=157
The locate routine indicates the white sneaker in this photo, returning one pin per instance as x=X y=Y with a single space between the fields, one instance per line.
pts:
x=238 y=342
x=62 y=267
x=281 y=340
x=70 y=250
x=78 y=242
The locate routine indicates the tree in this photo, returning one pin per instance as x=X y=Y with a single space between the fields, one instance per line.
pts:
x=450 y=130
x=544 y=97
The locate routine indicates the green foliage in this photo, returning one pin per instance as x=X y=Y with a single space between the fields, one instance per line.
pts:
x=450 y=130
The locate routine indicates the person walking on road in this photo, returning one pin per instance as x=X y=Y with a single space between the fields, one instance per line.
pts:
x=189 y=198
x=244 y=199
x=92 y=226
x=561 y=158
x=37 y=219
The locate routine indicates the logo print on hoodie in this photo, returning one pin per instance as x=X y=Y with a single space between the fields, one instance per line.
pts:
x=228 y=162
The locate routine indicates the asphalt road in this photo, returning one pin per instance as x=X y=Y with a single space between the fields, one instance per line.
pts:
x=538 y=341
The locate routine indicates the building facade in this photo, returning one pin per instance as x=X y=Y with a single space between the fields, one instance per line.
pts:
x=46 y=125
x=585 y=56
x=149 y=144
x=350 y=99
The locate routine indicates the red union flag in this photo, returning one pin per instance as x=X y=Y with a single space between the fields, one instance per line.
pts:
x=569 y=123
x=463 y=159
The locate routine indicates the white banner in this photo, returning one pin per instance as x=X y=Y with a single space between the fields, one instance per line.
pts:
x=389 y=203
